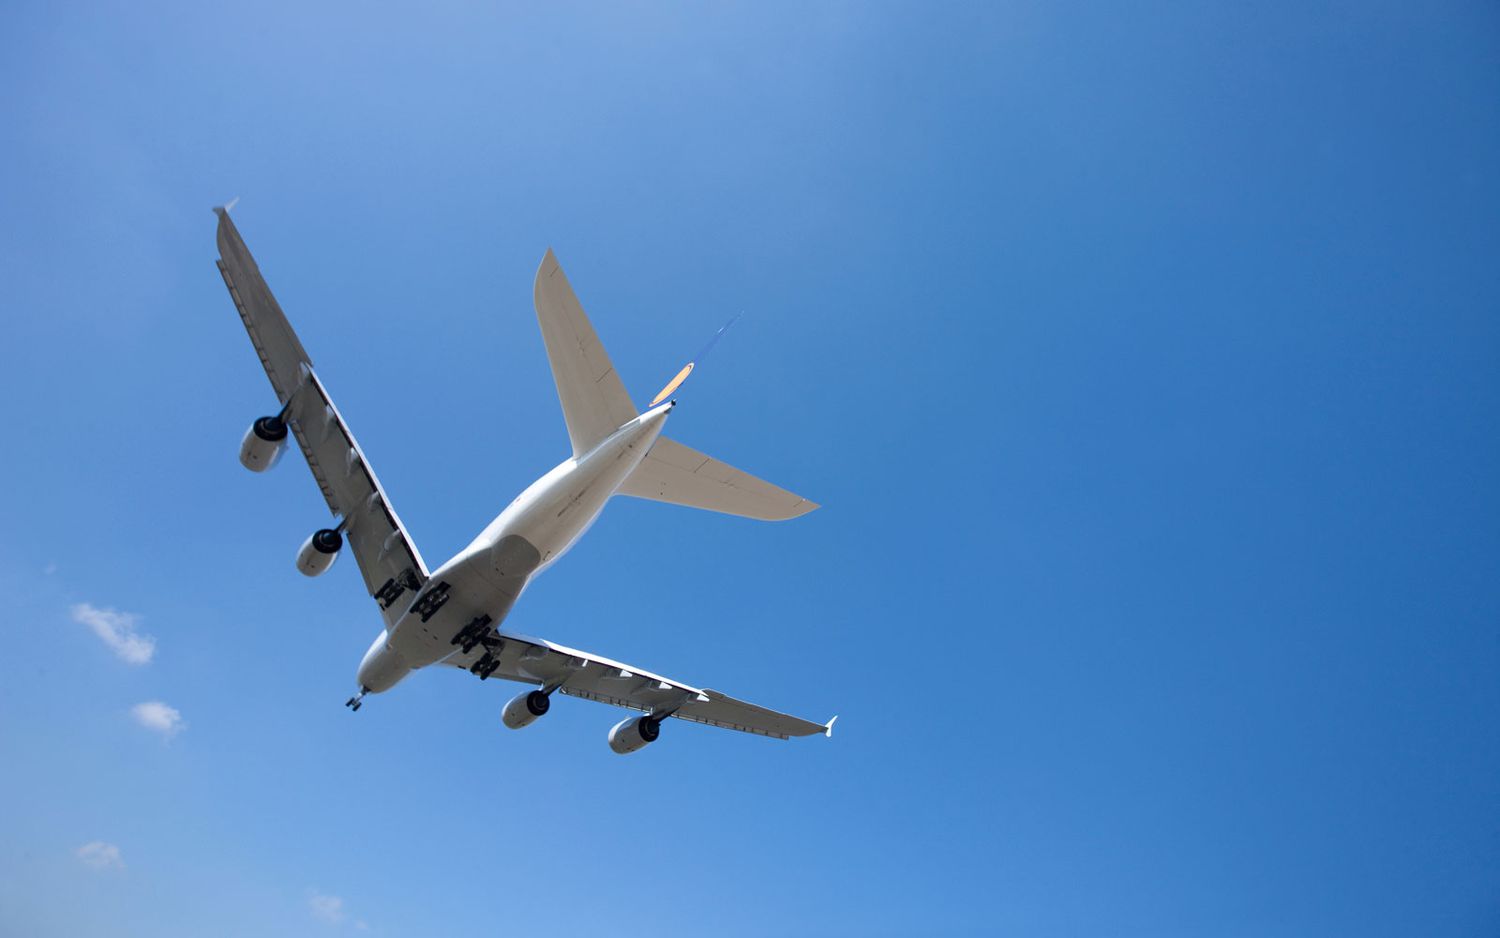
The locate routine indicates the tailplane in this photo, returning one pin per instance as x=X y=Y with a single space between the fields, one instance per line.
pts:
x=595 y=404
x=677 y=474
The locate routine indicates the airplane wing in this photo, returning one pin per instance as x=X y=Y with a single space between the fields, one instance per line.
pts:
x=387 y=558
x=592 y=677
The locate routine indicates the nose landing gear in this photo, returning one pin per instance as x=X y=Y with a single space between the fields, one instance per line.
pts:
x=354 y=703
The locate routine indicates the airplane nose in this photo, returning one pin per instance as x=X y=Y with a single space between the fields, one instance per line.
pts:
x=382 y=668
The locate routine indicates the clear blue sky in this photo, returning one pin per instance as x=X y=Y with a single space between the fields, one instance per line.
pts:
x=1144 y=358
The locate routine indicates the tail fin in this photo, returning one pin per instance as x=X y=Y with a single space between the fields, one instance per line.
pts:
x=593 y=398
x=674 y=473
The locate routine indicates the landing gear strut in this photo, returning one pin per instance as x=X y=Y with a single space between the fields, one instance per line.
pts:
x=354 y=703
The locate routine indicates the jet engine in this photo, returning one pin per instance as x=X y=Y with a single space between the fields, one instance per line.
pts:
x=525 y=708
x=319 y=552
x=263 y=444
x=634 y=733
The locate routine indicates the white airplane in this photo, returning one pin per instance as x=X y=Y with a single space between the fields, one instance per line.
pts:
x=453 y=615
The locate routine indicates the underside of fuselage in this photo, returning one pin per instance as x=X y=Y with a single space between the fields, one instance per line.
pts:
x=473 y=593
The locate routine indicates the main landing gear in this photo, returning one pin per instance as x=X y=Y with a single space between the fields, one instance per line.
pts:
x=354 y=703
x=485 y=666
x=473 y=635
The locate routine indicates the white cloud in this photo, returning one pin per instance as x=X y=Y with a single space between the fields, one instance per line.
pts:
x=157 y=716
x=328 y=909
x=117 y=629
x=100 y=855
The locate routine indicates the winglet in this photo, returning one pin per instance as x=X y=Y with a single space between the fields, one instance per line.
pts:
x=828 y=728
x=222 y=210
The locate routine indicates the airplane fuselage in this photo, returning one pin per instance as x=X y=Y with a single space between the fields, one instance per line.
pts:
x=486 y=577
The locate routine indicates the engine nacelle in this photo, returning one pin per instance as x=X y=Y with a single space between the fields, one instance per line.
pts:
x=263 y=444
x=634 y=733
x=525 y=708
x=319 y=552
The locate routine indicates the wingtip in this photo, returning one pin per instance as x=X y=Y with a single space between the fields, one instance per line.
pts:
x=223 y=210
x=828 y=727
x=803 y=507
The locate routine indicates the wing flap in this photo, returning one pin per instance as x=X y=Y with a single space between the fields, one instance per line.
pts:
x=681 y=475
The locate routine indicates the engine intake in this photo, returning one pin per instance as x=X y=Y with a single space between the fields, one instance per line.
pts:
x=634 y=733
x=523 y=709
x=263 y=444
x=319 y=552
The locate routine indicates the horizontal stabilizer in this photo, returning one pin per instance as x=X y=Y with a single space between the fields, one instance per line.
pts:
x=674 y=473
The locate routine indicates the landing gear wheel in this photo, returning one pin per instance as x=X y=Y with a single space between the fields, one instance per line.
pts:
x=472 y=634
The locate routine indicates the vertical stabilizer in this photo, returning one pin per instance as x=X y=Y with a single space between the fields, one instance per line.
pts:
x=594 y=400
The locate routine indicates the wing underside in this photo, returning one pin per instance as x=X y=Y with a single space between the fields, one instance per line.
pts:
x=388 y=559
x=592 y=677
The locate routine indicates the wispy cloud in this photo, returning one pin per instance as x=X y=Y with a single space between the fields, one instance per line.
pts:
x=325 y=908
x=157 y=716
x=100 y=855
x=118 y=631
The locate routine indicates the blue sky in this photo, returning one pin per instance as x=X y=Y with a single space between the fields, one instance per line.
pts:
x=1145 y=360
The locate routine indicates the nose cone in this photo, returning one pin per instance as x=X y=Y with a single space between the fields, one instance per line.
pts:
x=382 y=667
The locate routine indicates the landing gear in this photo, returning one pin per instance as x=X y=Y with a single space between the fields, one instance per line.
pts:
x=485 y=666
x=355 y=702
x=472 y=634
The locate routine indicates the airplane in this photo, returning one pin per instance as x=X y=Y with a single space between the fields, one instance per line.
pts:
x=453 y=615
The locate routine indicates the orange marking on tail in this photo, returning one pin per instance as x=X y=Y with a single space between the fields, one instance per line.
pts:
x=673 y=385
